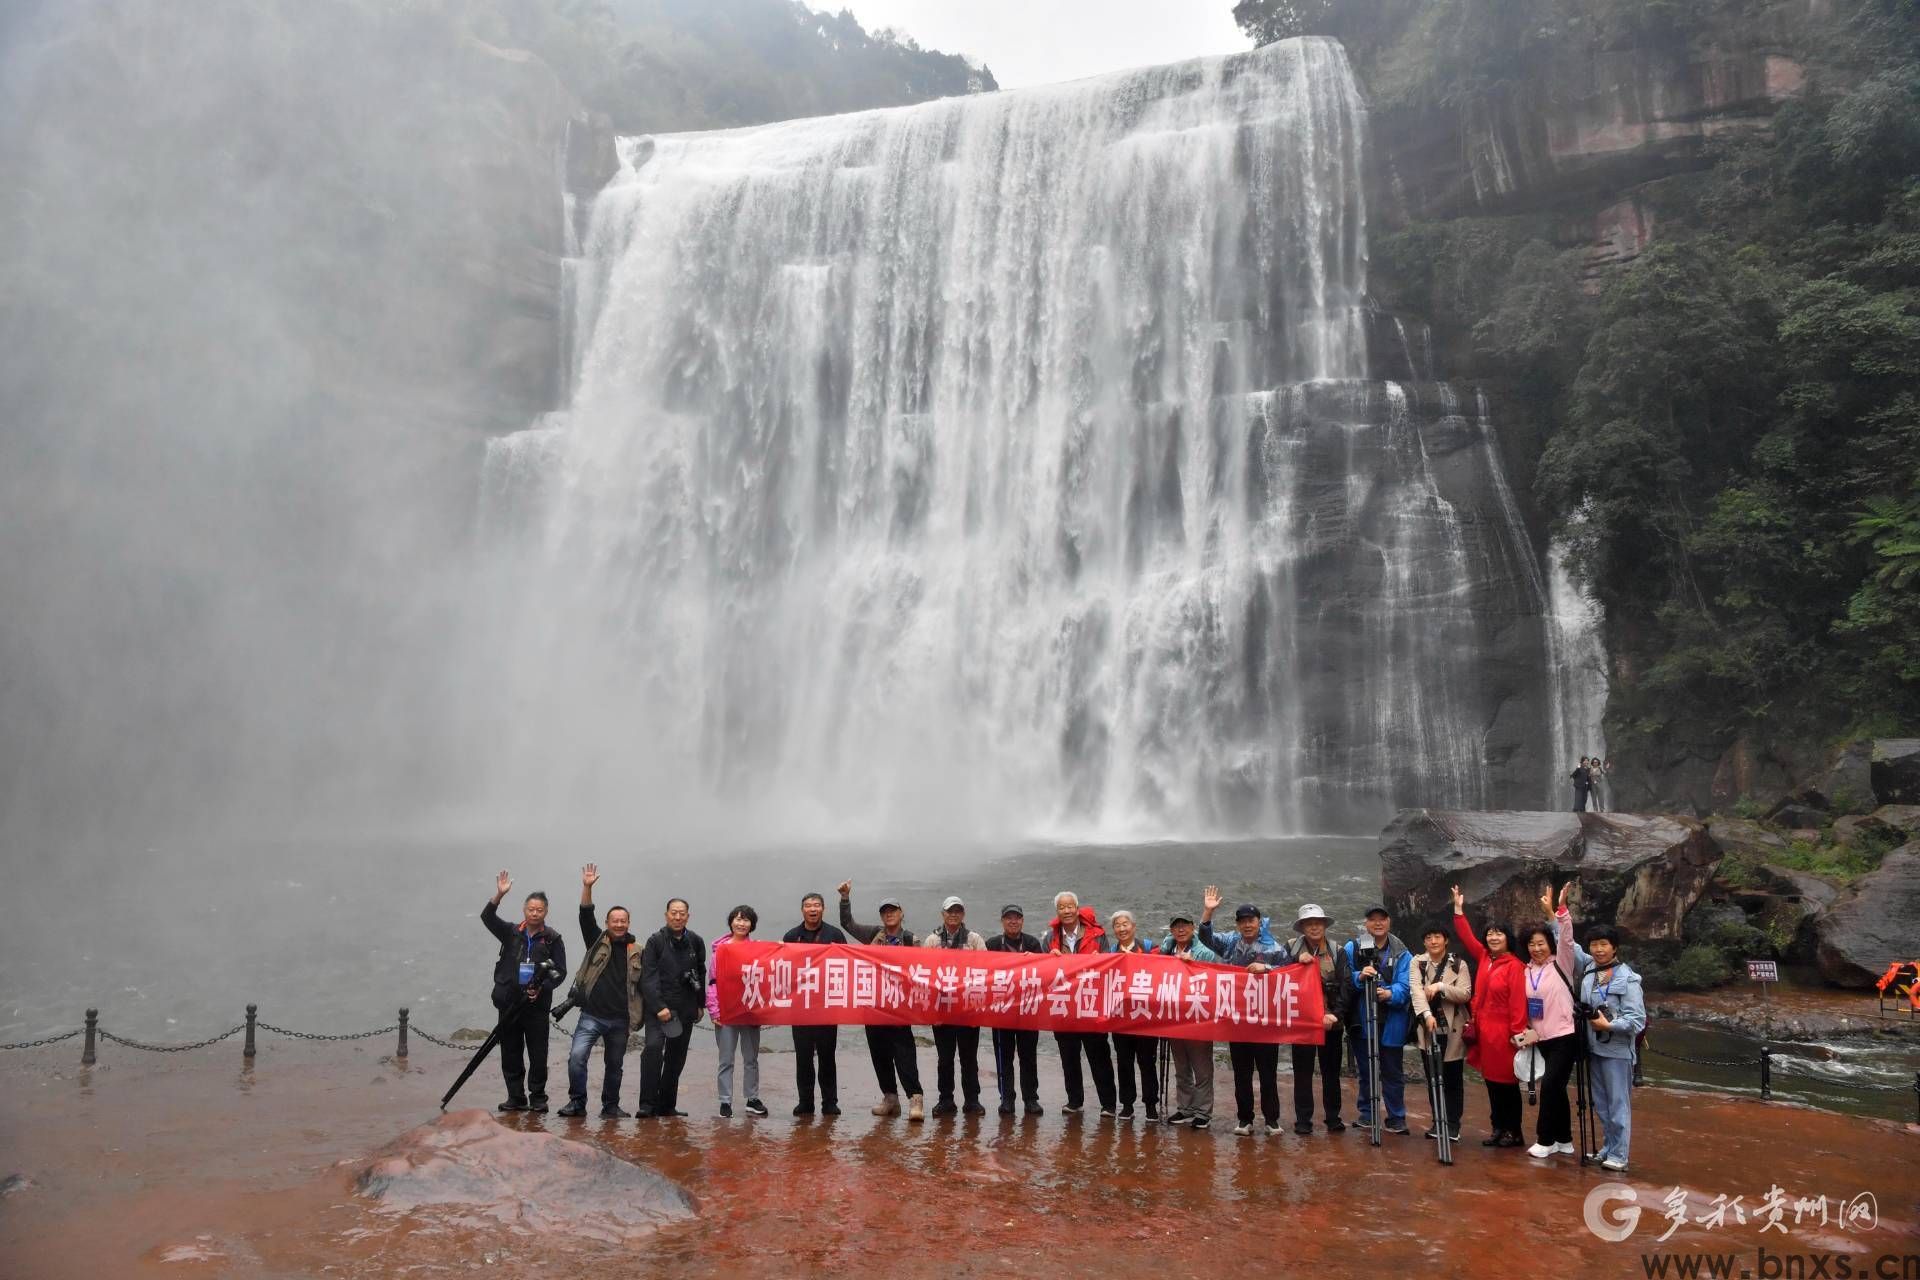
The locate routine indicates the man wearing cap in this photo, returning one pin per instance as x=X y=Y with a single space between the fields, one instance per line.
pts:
x=1245 y=949
x=895 y=1065
x=813 y=1045
x=1076 y=930
x=953 y=935
x=1393 y=999
x=1134 y=1054
x=1310 y=946
x=1016 y=1047
x=1189 y=1062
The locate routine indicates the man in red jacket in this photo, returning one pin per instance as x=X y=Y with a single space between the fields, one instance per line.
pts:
x=1076 y=931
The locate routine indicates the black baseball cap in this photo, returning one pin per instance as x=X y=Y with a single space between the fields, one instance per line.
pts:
x=1246 y=911
x=1011 y=910
x=1379 y=911
x=1179 y=917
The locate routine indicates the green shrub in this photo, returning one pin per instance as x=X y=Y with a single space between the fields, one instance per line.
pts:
x=1699 y=967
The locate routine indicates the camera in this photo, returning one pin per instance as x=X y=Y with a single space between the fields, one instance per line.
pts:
x=1364 y=956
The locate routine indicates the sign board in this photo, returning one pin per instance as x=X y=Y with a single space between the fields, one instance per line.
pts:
x=1763 y=971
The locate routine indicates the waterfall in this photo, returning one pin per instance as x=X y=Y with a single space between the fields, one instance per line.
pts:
x=1006 y=466
x=1578 y=669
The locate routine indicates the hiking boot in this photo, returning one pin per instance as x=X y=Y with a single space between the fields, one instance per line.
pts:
x=512 y=1104
x=1336 y=1125
x=916 y=1108
x=613 y=1112
x=1512 y=1140
x=803 y=1108
x=888 y=1105
x=972 y=1107
x=726 y=1111
x=944 y=1107
x=1493 y=1139
x=1006 y=1108
x=1303 y=1127
x=830 y=1109
x=755 y=1107
x=1035 y=1109
x=573 y=1110
x=537 y=1104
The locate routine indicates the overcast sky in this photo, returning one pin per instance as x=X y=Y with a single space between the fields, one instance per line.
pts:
x=1038 y=41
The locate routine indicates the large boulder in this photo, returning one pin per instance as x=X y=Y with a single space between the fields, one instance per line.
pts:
x=1847 y=779
x=469 y=1164
x=1872 y=924
x=1896 y=770
x=1639 y=872
x=1900 y=817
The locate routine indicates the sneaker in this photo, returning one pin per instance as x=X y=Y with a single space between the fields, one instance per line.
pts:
x=755 y=1107
x=1539 y=1151
x=1273 y=1131
x=1178 y=1117
x=612 y=1113
x=1564 y=1149
x=1126 y=1111
x=573 y=1110
x=888 y=1106
x=1106 y=1113
x=1493 y=1139
x=537 y=1104
x=802 y=1109
x=1400 y=1129
x=726 y=1111
x=1006 y=1108
x=1202 y=1122
x=681 y=1115
x=512 y=1104
x=1153 y=1113
x=830 y=1109
x=1615 y=1163
x=1303 y=1127
x=1035 y=1109
x=1243 y=1130
x=1336 y=1125
x=972 y=1107
x=1453 y=1136
x=1512 y=1140
x=1072 y=1109
x=944 y=1107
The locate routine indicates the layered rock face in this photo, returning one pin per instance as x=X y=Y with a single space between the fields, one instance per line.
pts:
x=1638 y=872
x=1874 y=923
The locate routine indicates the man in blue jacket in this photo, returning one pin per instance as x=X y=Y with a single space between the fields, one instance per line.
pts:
x=1392 y=1001
x=1252 y=949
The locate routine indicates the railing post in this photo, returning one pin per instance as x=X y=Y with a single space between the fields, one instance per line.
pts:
x=401 y=1052
x=93 y=1025
x=253 y=1012
x=1766 y=1072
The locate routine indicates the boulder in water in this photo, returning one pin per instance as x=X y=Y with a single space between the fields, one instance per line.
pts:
x=468 y=1163
x=1896 y=770
x=1639 y=872
x=1874 y=923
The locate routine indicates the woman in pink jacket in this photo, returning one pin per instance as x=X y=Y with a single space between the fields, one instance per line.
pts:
x=1550 y=1025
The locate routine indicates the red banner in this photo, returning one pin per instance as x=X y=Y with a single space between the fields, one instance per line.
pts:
x=797 y=984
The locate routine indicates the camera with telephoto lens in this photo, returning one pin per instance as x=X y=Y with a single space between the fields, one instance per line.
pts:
x=1365 y=956
x=693 y=981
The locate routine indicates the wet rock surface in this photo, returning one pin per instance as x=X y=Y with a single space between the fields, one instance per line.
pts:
x=1874 y=923
x=469 y=1163
x=1641 y=872
x=1896 y=770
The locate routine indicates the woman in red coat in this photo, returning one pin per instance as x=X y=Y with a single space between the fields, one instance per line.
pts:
x=1499 y=1013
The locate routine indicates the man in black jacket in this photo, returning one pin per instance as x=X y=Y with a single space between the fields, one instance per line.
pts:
x=896 y=1063
x=523 y=995
x=1310 y=946
x=608 y=989
x=1022 y=1047
x=811 y=1044
x=673 y=983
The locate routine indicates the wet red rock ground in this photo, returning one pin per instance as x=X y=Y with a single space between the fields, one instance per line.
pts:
x=185 y=1165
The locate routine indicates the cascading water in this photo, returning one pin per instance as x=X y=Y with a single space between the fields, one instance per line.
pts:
x=1007 y=466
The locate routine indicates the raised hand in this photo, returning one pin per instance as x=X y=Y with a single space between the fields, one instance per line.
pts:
x=590 y=875
x=1459 y=900
x=1212 y=899
x=501 y=884
x=1546 y=901
x=846 y=888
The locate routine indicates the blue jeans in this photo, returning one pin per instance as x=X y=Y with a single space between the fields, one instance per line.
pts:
x=1393 y=1081
x=585 y=1032
x=1612 y=1080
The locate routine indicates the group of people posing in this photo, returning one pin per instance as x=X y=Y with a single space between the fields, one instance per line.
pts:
x=1590 y=779
x=1508 y=1003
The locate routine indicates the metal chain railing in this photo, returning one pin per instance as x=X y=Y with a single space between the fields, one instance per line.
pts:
x=171 y=1048
x=1698 y=1062
x=94 y=1032
x=351 y=1035
x=35 y=1044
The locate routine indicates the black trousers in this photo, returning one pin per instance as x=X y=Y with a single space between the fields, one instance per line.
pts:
x=895 y=1064
x=1453 y=1087
x=661 y=1059
x=811 y=1045
x=1579 y=800
x=1099 y=1064
x=1141 y=1052
x=966 y=1042
x=1503 y=1107
x=1023 y=1048
x=1556 y=1114
x=1247 y=1059
x=1327 y=1057
x=523 y=1055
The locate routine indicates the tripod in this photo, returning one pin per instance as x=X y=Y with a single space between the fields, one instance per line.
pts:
x=1586 y=1124
x=1371 y=1022
x=1434 y=1061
